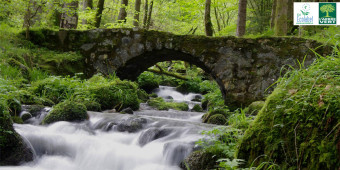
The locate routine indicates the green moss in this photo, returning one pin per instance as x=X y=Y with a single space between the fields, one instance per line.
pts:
x=255 y=107
x=91 y=105
x=217 y=119
x=224 y=112
x=66 y=111
x=299 y=122
x=197 y=108
x=23 y=69
x=160 y=104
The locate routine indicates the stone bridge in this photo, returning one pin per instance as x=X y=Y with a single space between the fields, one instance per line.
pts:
x=244 y=68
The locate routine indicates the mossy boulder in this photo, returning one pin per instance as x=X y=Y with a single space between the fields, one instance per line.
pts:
x=201 y=160
x=66 y=111
x=90 y=105
x=298 y=126
x=189 y=86
x=160 y=104
x=217 y=119
x=13 y=149
x=255 y=107
x=23 y=68
x=197 y=108
x=147 y=81
x=224 y=112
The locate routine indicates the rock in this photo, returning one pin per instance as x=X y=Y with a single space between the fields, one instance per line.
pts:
x=34 y=110
x=13 y=149
x=175 y=152
x=152 y=134
x=25 y=115
x=127 y=110
x=197 y=108
x=205 y=104
x=168 y=97
x=217 y=119
x=197 y=98
x=66 y=111
x=255 y=107
x=131 y=125
x=200 y=160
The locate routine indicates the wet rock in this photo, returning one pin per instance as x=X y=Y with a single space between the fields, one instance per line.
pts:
x=200 y=160
x=152 y=134
x=197 y=98
x=168 y=97
x=131 y=125
x=25 y=115
x=175 y=152
x=34 y=110
x=127 y=111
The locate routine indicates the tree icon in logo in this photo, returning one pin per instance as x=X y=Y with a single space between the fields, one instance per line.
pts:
x=327 y=8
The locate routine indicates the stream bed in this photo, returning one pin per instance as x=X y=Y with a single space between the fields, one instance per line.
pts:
x=147 y=140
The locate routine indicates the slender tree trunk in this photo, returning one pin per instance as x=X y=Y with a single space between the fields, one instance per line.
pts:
x=242 y=17
x=87 y=4
x=148 y=23
x=100 y=8
x=281 y=18
x=273 y=15
x=207 y=19
x=69 y=19
x=27 y=20
x=146 y=9
x=290 y=16
x=217 y=20
x=137 y=12
x=122 y=13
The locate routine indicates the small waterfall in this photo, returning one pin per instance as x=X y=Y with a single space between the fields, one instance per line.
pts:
x=147 y=140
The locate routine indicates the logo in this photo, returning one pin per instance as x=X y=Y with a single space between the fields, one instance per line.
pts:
x=327 y=13
x=303 y=17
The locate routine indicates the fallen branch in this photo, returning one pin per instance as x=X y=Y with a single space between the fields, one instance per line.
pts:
x=161 y=71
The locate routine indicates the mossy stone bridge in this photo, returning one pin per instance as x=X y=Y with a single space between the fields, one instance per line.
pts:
x=244 y=68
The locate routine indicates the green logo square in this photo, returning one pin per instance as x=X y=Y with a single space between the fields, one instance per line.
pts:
x=327 y=13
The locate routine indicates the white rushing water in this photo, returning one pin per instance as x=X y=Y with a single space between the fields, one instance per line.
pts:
x=147 y=140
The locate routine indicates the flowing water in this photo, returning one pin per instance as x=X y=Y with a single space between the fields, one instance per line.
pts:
x=147 y=140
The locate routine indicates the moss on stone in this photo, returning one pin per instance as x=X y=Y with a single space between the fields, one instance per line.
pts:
x=66 y=111
x=17 y=119
x=255 y=107
x=147 y=81
x=142 y=95
x=217 y=119
x=299 y=122
x=160 y=104
x=223 y=112
x=197 y=108
x=91 y=105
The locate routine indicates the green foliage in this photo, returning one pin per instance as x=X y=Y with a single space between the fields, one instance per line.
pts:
x=298 y=124
x=142 y=95
x=147 y=81
x=160 y=104
x=255 y=107
x=238 y=119
x=191 y=85
x=14 y=106
x=66 y=111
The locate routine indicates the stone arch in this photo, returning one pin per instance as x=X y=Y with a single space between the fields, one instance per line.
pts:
x=138 y=64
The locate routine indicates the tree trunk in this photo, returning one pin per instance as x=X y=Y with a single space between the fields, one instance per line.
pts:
x=69 y=20
x=87 y=4
x=148 y=23
x=122 y=13
x=281 y=18
x=137 y=12
x=217 y=20
x=146 y=9
x=242 y=17
x=100 y=8
x=27 y=20
x=290 y=16
x=273 y=15
x=207 y=19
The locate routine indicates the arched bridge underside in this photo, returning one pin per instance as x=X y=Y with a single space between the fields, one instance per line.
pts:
x=243 y=68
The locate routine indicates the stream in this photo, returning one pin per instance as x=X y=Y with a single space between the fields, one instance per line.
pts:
x=147 y=140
